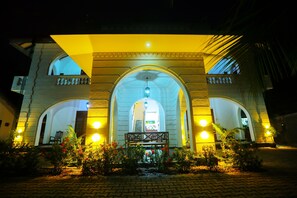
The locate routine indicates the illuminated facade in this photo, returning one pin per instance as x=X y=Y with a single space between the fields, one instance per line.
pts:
x=97 y=84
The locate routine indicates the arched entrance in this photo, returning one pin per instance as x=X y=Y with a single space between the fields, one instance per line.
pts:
x=230 y=114
x=132 y=110
x=59 y=116
x=147 y=115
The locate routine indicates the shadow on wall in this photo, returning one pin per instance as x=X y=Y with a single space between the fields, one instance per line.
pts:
x=286 y=125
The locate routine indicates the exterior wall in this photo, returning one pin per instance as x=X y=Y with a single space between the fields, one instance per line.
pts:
x=238 y=91
x=184 y=136
x=188 y=68
x=171 y=111
x=8 y=119
x=41 y=90
x=195 y=80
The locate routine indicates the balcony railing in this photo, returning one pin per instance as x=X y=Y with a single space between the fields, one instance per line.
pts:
x=73 y=80
x=85 y=80
x=147 y=138
x=219 y=79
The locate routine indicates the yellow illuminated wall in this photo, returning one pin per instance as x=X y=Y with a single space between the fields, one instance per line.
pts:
x=183 y=111
x=107 y=58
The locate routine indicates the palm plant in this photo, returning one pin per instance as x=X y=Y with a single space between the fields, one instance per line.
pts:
x=263 y=44
x=227 y=136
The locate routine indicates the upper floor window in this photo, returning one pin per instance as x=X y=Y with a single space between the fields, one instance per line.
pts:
x=64 y=65
x=225 y=66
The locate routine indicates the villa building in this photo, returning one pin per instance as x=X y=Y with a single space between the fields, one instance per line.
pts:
x=8 y=118
x=111 y=84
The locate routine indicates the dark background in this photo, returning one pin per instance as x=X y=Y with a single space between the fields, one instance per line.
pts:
x=34 y=21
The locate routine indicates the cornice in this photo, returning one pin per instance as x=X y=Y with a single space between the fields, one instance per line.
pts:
x=147 y=55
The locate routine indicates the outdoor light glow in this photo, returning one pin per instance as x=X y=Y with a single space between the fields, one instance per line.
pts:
x=148 y=44
x=203 y=123
x=147 y=91
x=96 y=137
x=19 y=130
x=267 y=126
x=96 y=125
x=268 y=133
x=204 y=135
x=18 y=138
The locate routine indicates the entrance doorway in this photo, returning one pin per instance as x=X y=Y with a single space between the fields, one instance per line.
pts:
x=146 y=115
x=160 y=109
x=81 y=124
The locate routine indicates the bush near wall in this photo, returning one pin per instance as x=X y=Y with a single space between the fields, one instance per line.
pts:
x=110 y=159
x=18 y=159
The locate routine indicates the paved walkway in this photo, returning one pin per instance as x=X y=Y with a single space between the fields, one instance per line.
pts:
x=279 y=180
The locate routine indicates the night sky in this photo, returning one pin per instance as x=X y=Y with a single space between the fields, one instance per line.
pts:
x=13 y=63
x=36 y=20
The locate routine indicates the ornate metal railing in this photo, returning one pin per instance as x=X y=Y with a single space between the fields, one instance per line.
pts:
x=219 y=79
x=73 y=80
x=147 y=138
x=85 y=80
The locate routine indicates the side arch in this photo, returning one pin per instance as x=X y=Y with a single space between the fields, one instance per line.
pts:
x=57 y=118
x=227 y=113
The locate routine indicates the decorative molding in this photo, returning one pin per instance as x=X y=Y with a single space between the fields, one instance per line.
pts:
x=147 y=55
x=70 y=80
x=219 y=79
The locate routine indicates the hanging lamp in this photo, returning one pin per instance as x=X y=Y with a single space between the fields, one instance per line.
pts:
x=147 y=89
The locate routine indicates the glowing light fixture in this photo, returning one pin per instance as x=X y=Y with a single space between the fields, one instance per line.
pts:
x=18 y=138
x=203 y=123
x=96 y=125
x=145 y=104
x=96 y=137
x=147 y=90
x=268 y=133
x=148 y=44
x=204 y=135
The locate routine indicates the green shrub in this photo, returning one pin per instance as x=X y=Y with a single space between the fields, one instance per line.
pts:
x=69 y=153
x=209 y=155
x=21 y=159
x=183 y=158
x=72 y=148
x=101 y=159
x=235 y=154
x=245 y=158
x=91 y=162
x=130 y=158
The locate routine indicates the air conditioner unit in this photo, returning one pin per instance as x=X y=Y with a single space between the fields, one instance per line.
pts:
x=18 y=84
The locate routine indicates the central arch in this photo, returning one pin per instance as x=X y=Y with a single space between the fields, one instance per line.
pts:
x=166 y=89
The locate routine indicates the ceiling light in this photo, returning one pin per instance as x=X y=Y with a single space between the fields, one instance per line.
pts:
x=145 y=104
x=147 y=90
